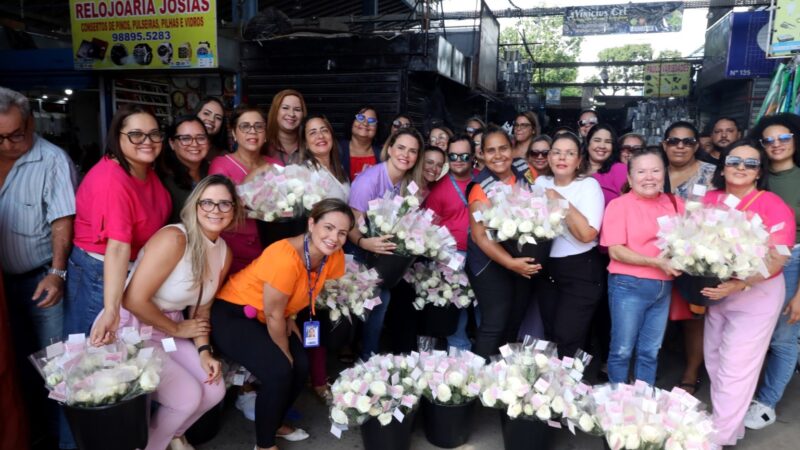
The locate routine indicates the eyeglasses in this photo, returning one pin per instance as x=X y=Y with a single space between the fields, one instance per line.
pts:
x=631 y=148
x=736 y=161
x=538 y=153
x=138 y=137
x=186 y=139
x=471 y=130
x=463 y=157
x=436 y=139
x=208 y=205
x=15 y=138
x=767 y=141
x=247 y=127
x=674 y=142
x=370 y=121
x=397 y=124
x=587 y=122
x=566 y=154
x=522 y=125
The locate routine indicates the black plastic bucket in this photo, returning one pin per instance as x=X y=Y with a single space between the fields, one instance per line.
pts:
x=271 y=232
x=395 y=436
x=391 y=268
x=447 y=426
x=121 y=426
x=540 y=251
x=690 y=286
x=525 y=434
x=440 y=321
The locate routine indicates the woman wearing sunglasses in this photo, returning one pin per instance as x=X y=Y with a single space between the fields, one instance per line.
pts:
x=526 y=127
x=400 y=121
x=248 y=127
x=360 y=152
x=283 y=127
x=537 y=154
x=778 y=137
x=473 y=125
x=180 y=269
x=684 y=171
x=629 y=144
x=738 y=328
x=184 y=163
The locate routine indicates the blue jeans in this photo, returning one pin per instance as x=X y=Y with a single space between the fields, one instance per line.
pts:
x=373 y=326
x=782 y=357
x=639 y=310
x=459 y=339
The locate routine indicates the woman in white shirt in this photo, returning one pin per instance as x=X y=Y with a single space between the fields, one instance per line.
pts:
x=181 y=267
x=575 y=270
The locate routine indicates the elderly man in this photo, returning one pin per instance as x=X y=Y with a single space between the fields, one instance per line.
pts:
x=37 y=207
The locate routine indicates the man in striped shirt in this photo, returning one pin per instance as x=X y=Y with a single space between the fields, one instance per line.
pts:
x=37 y=208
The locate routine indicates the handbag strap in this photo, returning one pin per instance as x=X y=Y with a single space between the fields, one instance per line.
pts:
x=750 y=203
x=199 y=299
x=674 y=202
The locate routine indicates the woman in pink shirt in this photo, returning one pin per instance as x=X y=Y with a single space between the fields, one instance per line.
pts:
x=639 y=282
x=738 y=329
x=249 y=132
x=119 y=205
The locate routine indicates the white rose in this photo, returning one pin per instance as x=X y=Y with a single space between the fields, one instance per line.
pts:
x=363 y=404
x=541 y=361
x=543 y=413
x=349 y=399
x=385 y=419
x=506 y=396
x=291 y=198
x=282 y=204
x=488 y=398
x=514 y=410
x=539 y=231
x=379 y=221
x=339 y=416
x=673 y=444
x=448 y=294
x=528 y=409
x=586 y=423
x=82 y=396
x=378 y=388
x=526 y=226
x=149 y=380
x=443 y=393
x=508 y=228
x=412 y=201
x=557 y=404
x=632 y=442
x=652 y=434
x=455 y=378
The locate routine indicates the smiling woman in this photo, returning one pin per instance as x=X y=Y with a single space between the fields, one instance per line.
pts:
x=283 y=126
x=185 y=162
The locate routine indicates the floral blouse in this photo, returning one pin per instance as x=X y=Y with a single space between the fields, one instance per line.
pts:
x=703 y=176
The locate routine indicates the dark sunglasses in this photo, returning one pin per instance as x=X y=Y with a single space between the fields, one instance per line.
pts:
x=782 y=138
x=397 y=124
x=631 y=148
x=736 y=161
x=463 y=157
x=586 y=122
x=673 y=141
x=538 y=153
x=371 y=121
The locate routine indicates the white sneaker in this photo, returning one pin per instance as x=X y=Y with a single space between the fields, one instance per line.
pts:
x=246 y=403
x=759 y=416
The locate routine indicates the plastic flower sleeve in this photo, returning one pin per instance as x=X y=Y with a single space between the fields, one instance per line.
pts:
x=353 y=294
x=284 y=192
x=438 y=285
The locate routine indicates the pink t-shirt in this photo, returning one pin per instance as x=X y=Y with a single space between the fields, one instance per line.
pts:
x=112 y=204
x=243 y=241
x=612 y=181
x=632 y=221
x=450 y=209
x=772 y=210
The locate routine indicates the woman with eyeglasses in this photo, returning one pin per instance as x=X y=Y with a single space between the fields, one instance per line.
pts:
x=684 y=171
x=212 y=113
x=526 y=127
x=738 y=329
x=185 y=162
x=120 y=204
x=629 y=144
x=440 y=137
x=537 y=154
x=568 y=301
x=401 y=166
x=777 y=136
x=361 y=152
x=285 y=115
x=248 y=127
x=400 y=121
x=180 y=269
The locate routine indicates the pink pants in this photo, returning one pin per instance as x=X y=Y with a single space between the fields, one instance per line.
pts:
x=737 y=335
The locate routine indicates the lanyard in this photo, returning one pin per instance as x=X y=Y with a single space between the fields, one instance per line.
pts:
x=311 y=287
x=460 y=194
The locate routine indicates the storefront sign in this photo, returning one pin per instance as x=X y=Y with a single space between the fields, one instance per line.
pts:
x=144 y=34
x=553 y=96
x=784 y=36
x=623 y=19
x=667 y=80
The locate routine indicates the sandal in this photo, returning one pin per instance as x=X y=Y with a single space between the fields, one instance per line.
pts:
x=323 y=394
x=689 y=387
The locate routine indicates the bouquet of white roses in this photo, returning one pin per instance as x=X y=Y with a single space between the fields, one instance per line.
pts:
x=639 y=416
x=450 y=379
x=283 y=192
x=79 y=374
x=353 y=294
x=383 y=388
x=715 y=241
x=522 y=214
x=413 y=229
x=439 y=285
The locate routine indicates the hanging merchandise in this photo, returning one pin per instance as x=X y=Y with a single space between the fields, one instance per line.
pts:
x=650 y=118
x=782 y=95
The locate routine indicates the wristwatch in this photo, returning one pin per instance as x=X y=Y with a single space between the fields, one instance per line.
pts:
x=59 y=273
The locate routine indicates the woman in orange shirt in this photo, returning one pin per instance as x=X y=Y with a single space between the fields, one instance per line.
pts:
x=279 y=284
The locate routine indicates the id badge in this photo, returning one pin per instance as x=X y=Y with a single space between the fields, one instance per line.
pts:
x=311 y=334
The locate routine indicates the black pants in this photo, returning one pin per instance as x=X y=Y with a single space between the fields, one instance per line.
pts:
x=248 y=342
x=503 y=298
x=570 y=299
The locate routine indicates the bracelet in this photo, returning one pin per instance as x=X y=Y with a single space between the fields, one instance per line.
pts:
x=358 y=242
x=208 y=347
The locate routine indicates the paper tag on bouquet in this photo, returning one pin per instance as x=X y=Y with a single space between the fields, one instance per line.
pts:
x=54 y=350
x=399 y=415
x=146 y=332
x=169 y=345
x=699 y=190
x=731 y=201
x=412 y=189
x=336 y=431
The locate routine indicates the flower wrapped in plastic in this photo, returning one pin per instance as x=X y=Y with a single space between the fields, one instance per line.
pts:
x=522 y=214
x=439 y=285
x=283 y=192
x=353 y=294
x=81 y=375
x=639 y=416
x=384 y=388
x=450 y=378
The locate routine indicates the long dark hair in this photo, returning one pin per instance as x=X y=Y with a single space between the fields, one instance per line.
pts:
x=219 y=140
x=762 y=182
x=113 y=146
x=305 y=155
x=169 y=166
x=788 y=120
x=614 y=157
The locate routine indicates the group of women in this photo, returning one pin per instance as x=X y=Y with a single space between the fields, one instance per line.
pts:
x=160 y=233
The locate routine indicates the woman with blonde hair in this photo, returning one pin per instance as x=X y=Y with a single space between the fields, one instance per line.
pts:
x=283 y=127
